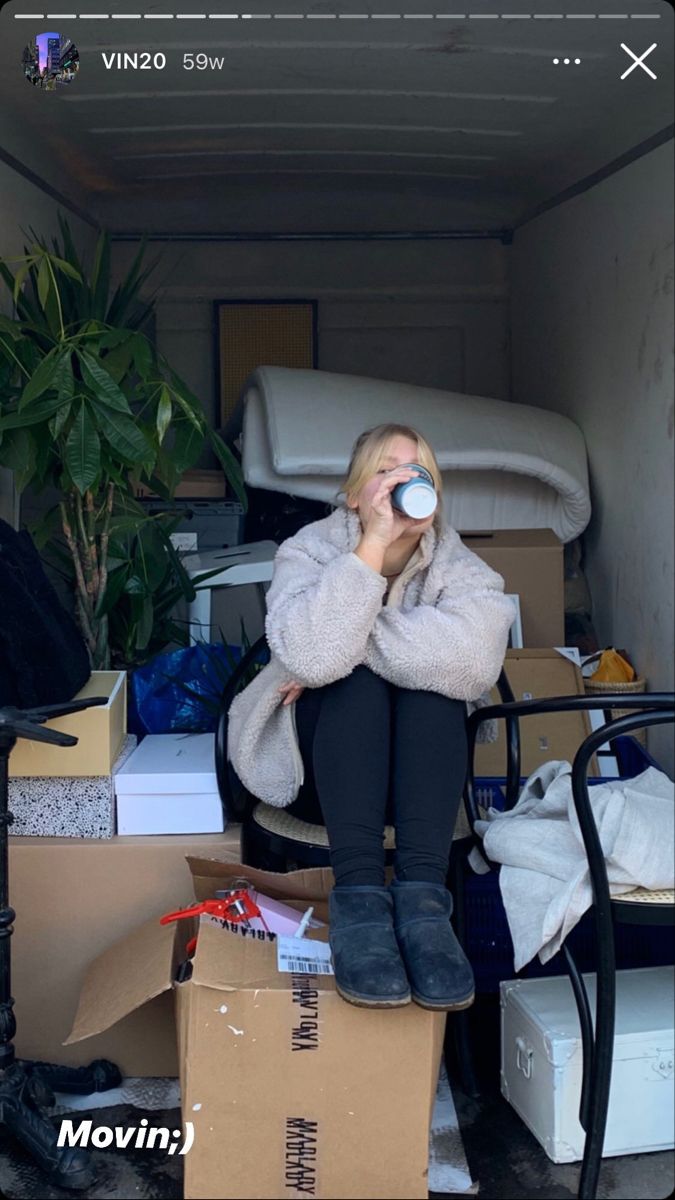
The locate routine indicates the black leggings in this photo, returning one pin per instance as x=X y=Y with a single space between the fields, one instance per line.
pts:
x=378 y=754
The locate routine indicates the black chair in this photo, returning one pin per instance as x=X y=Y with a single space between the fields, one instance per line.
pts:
x=634 y=907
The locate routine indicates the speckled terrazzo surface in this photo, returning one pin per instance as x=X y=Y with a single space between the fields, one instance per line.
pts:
x=69 y=806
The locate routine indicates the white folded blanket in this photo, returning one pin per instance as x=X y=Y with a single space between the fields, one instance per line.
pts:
x=504 y=465
x=544 y=879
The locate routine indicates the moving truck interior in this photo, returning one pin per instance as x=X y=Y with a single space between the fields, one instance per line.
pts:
x=477 y=201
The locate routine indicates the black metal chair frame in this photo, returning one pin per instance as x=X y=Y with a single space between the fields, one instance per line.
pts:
x=27 y=1088
x=597 y=1045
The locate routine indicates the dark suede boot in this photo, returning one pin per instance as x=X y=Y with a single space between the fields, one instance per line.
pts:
x=439 y=972
x=366 y=957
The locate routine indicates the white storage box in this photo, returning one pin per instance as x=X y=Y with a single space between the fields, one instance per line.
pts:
x=541 y=1062
x=169 y=786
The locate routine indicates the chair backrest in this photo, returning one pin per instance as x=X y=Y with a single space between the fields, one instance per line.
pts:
x=652 y=708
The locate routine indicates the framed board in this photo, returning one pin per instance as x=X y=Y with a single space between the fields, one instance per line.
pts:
x=260 y=333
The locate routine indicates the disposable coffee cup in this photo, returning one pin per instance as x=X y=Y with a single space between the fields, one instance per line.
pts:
x=416 y=497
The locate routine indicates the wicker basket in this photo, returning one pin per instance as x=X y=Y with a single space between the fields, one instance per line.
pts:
x=637 y=685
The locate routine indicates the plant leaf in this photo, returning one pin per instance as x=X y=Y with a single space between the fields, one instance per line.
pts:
x=164 y=411
x=17 y=452
x=66 y=267
x=59 y=419
x=230 y=465
x=145 y=623
x=112 y=593
x=64 y=380
x=43 y=282
x=102 y=384
x=43 y=408
x=41 y=379
x=19 y=279
x=100 y=277
x=143 y=357
x=11 y=328
x=83 y=450
x=187 y=444
x=120 y=432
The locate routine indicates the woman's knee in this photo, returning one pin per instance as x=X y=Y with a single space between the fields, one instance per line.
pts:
x=431 y=707
x=363 y=680
x=362 y=695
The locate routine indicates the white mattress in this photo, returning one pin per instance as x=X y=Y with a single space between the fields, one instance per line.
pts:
x=504 y=466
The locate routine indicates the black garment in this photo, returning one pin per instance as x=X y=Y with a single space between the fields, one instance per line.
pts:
x=377 y=754
x=43 y=658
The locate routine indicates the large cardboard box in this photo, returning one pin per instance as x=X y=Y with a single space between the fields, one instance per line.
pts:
x=73 y=898
x=291 y=1091
x=100 y=732
x=541 y=1062
x=534 y=675
x=531 y=563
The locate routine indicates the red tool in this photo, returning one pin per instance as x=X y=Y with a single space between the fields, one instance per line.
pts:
x=235 y=906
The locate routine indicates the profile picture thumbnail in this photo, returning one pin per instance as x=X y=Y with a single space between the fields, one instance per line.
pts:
x=50 y=61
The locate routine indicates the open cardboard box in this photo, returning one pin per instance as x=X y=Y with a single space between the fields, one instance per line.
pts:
x=75 y=897
x=100 y=732
x=291 y=1091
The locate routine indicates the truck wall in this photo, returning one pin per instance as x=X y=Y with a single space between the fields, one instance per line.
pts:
x=592 y=330
x=431 y=313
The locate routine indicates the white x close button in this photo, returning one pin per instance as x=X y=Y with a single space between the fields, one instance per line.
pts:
x=638 y=60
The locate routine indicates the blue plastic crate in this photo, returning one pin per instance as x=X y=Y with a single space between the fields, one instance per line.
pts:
x=488 y=941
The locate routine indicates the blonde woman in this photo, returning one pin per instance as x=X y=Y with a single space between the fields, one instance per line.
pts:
x=381 y=628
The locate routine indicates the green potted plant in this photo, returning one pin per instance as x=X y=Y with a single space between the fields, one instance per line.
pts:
x=90 y=407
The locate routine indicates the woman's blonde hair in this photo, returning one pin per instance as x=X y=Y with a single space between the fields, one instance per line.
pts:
x=368 y=455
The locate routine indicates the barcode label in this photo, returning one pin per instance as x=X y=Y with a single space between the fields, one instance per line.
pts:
x=303 y=956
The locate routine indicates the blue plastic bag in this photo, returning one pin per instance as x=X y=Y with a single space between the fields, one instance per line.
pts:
x=180 y=692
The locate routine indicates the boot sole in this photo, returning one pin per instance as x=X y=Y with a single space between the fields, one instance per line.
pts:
x=438 y=1006
x=360 y=1002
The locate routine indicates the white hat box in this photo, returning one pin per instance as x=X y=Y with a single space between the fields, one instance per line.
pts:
x=541 y=1062
x=169 y=785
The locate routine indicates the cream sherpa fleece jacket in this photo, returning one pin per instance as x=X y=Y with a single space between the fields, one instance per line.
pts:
x=444 y=629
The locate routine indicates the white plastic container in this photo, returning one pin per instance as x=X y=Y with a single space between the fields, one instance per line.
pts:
x=169 y=785
x=541 y=1062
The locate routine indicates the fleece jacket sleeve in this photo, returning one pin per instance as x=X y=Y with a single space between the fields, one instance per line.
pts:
x=319 y=615
x=456 y=646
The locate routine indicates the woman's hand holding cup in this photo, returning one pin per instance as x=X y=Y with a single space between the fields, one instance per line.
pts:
x=383 y=524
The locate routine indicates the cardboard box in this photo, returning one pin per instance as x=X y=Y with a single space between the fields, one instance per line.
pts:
x=200 y=483
x=531 y=563
x=100 y=732
x=73 y=898
x=533 y=675
x=541 y=1062
x=268 y=1121
x=169 y=785
x=67 y=805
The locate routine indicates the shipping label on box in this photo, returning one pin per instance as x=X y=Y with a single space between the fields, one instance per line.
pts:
x=288 y=1086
